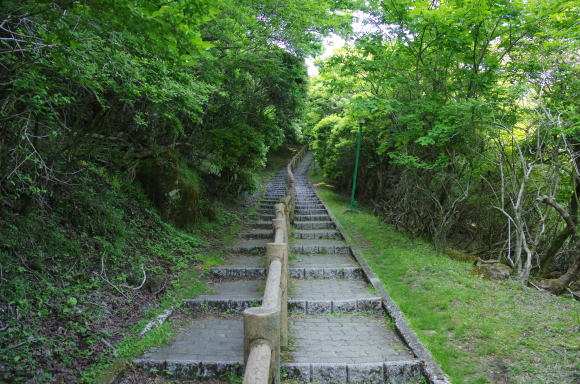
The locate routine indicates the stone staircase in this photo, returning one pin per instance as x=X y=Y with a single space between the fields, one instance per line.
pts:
x=338 y=331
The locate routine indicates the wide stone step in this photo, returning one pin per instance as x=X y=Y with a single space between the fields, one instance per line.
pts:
x=331 y=296
x=347 y=349
x=307 y=202
x=250 y=272
x=316 y=234
x=230 y=296
x=311 y=211
x=322 y=260
x=320 y=246
x=262 y=224
x=238 y=272
x=208 y=348
x=249 y=246
x=326 y=273
x=311 y=218
x=258 y=234
x=308 y=206
x=325 y=224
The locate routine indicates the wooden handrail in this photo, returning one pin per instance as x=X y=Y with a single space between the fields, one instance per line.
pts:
x=266 y=327
x=258 y=366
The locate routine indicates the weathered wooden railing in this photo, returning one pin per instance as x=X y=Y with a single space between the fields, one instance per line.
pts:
x=266 y=327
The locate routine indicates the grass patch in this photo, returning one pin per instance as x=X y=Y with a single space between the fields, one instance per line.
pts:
x=479 y=331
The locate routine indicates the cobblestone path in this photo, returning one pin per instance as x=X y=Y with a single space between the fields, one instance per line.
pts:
x=338 y=330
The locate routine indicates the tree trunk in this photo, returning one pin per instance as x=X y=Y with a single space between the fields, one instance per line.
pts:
x=558 y=242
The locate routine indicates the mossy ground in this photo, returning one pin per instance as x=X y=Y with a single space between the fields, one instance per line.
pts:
x=479 y=331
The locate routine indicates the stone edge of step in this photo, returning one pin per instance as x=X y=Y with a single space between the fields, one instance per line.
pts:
x=431 y=369
x=403 y=371
x=301 y=273
x=372 y=372
x=306 y=307
x=222 y=305
x=187 y=369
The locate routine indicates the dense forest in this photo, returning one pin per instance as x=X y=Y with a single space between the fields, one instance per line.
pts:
x=470 y=129
x=126 y=125
x=123 y=123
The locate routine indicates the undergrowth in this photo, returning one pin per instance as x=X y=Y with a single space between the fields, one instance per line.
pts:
x=78 y=280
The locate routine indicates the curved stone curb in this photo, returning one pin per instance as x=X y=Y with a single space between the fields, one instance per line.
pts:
x=431 y=369
x=157 y=321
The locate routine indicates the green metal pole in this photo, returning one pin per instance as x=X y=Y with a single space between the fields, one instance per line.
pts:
x=353 y=203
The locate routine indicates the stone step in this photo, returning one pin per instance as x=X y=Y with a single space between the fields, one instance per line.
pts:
x=308 y=296
x=316 y=234
x=325 y=224
x=311 y=211
x=307 y=205
x=347 y=349
x=351 y=273
x=251 y=272
x=230 y=296
x=258 y=234
x=320 y=246
x=331 y=296
x=313 y=205
x=208 y=348
x=311 y=218
x=262 y=224
x=238 y=272
x=322 y=260
x=256 y=247
x=244 y=260
x=302 y=203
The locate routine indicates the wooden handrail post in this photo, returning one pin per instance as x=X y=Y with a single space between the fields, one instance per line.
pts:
x=279 y=251
x=263 y=325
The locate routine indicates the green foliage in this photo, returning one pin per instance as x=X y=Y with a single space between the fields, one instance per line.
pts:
x=121 y=82
x=445 y=93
